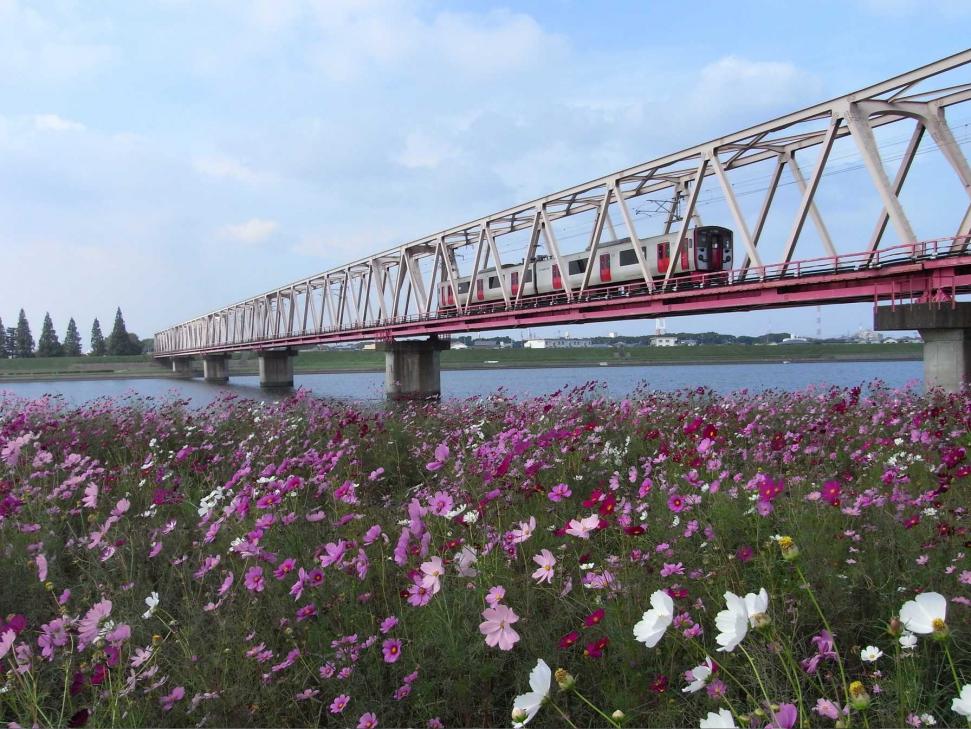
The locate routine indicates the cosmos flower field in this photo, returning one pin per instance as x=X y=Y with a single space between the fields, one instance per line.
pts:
x=669 y=559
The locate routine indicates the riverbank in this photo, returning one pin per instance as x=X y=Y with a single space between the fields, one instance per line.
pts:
x=331 y=362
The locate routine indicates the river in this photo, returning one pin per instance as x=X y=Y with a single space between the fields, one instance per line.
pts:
x=618 y=381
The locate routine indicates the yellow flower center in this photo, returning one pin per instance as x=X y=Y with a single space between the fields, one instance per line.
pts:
x=856 y=688
x=938 y=624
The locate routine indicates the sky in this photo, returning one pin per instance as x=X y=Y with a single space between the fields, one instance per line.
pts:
x=174 y=156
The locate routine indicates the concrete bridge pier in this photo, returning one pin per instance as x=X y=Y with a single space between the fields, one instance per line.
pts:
x=412 y=368
x=215 y=368
x=182 y=366
x=946 y=330
x=276 y=367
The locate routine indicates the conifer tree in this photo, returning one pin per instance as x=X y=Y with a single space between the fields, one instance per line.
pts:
x=72 y=340
x=98 y=346
x=118 y=341
x=48 y=345
x=24 y=341
x=3 y=341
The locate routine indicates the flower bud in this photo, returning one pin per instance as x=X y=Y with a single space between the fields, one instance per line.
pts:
x=760 y=713
x=788 y=548
x=156 y=639
x=49 y=586
x=859 y=698
x=618 y=715
x=564 y=679
x=518 y=715
x=895 y=627
x=760 y=621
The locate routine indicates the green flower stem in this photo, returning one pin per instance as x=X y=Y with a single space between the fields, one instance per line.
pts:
x=561 y=713
x=792 y=673
x=822 y=616
x=954 y=670
x=757 y=676
x=584 y=700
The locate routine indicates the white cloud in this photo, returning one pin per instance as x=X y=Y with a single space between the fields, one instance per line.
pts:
x=732 y=83
x=254 y=230
x=55 y=123
x=227 y=167
x=425 y=150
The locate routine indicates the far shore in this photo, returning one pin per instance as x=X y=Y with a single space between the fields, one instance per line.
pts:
x=158 y=373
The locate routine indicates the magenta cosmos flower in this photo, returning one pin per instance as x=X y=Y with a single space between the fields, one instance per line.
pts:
x=391 y=648
x=367 y=721
x=254 y=579
x=496 y=628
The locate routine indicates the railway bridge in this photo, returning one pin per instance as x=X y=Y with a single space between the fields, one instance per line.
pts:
x=513 y=269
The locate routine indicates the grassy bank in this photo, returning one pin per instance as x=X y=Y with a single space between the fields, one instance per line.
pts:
x=324 y=361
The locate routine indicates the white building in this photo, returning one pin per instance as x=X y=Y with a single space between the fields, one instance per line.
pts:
x=664 y=341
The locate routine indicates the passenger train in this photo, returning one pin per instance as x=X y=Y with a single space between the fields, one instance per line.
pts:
x=707 y=248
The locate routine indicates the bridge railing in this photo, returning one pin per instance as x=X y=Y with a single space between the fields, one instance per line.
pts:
x=689 y=284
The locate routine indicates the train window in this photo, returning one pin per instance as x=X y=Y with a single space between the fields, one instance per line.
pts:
x=628 y=258
x=493 y=282
x=528 y=278
x=576 y=267
x=463 y=287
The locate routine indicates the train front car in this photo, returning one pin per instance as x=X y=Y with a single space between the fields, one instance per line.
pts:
x=713 y=248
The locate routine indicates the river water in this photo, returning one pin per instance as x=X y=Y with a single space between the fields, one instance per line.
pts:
x=618 y=381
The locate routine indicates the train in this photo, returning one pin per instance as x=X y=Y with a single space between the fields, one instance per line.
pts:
x=707 y=249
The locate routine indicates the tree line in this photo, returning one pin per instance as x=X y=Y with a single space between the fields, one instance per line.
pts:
x=19 y=342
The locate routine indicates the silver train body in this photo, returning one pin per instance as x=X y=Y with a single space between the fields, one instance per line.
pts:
x=707 y=249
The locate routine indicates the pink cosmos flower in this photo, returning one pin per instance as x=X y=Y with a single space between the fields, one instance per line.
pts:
x=6 y=642
x=53 y=635
x=391 y=648
x=91 y=622
x=41 y=561
x=418 y=595
x=254 y=579
x=559 y=492
x=676 y=503
x=333 y=553
x=285 y=567
x=546 y=562
x=168 y=701
x=367 y=721
x=372 y=534
x=433 y=570
x=582 y=527
x=387 y=625
x=496 y=627
x=495 y=595
x=440 y=504
x=339 y=704
x=306 y=694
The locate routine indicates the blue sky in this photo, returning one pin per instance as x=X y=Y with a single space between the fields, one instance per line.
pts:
x=174 y=156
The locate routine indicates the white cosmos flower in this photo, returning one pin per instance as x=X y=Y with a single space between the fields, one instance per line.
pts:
x=925 y=613
x=732 y=623
x=152 y=602
x=756 y=605
x=701 y=674
x=655 y=621
x=722 y=720
x=908 y=641
x=539 y=681
x=870 y=654
x=962 y=704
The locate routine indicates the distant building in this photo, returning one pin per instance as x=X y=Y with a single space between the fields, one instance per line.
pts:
x=688 y=343
x=485 y=344
x=459 y=345
x=562 y=343
x=794 y=340
x=664 y=341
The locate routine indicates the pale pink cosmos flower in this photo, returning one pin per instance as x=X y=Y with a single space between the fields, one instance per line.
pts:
x=339 y=704
x=496 y=627
x=91 y=622
x=525 y=530
x=440 y=504
x=582 y=527
x=559 y=492
x=6 y=642
x=546 y=562
x=433 y=570
x=41 y=561
x=387 y=625
x=495 y=595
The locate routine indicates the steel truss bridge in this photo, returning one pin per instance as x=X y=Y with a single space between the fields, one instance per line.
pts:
x=395 y=293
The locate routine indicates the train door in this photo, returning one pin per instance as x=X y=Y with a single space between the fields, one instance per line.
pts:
x=479 y=289
x=605 y=267
x=557 y=278
x=717 y=252
x=663 y=257
x=514 y=283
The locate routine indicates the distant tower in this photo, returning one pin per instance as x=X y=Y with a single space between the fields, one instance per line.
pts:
x=819 y=322
x=659 y=327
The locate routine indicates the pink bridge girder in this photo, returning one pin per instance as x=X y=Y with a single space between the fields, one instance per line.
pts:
x=394 y=293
